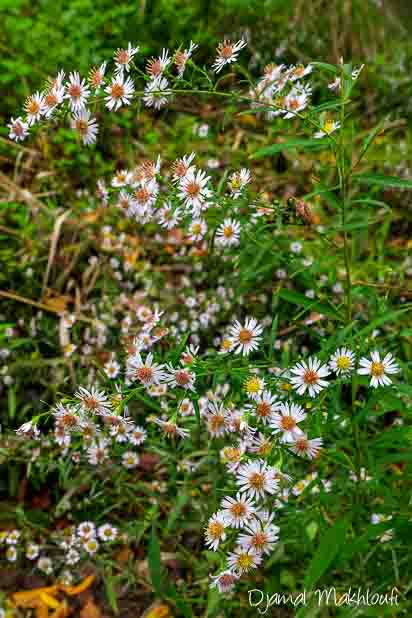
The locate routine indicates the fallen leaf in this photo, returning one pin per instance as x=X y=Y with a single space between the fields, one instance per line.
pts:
x=90 y=610
x=158 y=610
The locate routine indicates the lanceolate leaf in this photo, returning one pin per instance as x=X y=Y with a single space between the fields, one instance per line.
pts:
x=328 y=549
x=380 y=180
x=301 y=144
x=301 y=300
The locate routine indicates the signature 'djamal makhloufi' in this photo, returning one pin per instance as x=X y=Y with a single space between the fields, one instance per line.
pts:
x=353 y=597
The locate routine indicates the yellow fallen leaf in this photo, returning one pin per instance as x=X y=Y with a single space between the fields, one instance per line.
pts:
x=74 y=590
x=49 y=600
x=158 y=611
x=26 y=596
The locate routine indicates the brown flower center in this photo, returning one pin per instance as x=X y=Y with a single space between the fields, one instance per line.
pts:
x=288 y=423
x=182 y=378
x=74 y=91
x=192 y=189
x=117 y=91
x=263 y=409
x=310 y=377
x=238 y=509
x=245 y=336
x=144 y=374
x=122 y=56
x=259 y=541
x=226 y=50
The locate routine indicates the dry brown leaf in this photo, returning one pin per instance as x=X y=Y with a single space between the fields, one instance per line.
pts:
x=57 y=303
x=90 y=610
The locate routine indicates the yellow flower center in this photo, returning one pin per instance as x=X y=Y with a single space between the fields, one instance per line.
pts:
x=343 y=362
x=245 y=562
x=215 y=529
x=377 y=369
x=252 y=385
x=257 y=480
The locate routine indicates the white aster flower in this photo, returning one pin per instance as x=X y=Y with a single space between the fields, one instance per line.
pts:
x=123 y=58
x=243 y=559
x=224 y=581
x=181 y=167
x=328 y=127
x=86 y=125
x=96 y=76
x=308 y=376
x=93 y=400
x=77 y=92
x=286 y=421
x=32 y=551
x=18 y=129
x=157 y=93
x=342 y=362
x=259 y=537
x=265 y=404
x=156 y=66
x=181 y=378
x=182 y=57
x=255 y=480
x=303 y=446
x=246 y=338
x=228 y=233
x=45 y=564
x=378 y=368
x=170 y=429
x=238 y=181
x=297 y=72
x=34 y=108
x=119 y=92
x=238 y=511
x=227 y=53
x=130 y=460
x=197 y=230
x=106 y=532
x=168 y=217
x=193 y=189
x=215 y=530
x=147 y=372
x=217 y=419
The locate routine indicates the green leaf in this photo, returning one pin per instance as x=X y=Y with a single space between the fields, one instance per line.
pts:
x=301 y=144
x=380 y=180
x=12 y=402
x=327 y=67
x=155 y=563
x=301 y=300
x=368 y=141
x=327 y=551
x=178 y=506
x=110 y=592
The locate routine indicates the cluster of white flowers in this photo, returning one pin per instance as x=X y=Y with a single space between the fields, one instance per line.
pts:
x=272 y=414
x=61 y=550
x=119 y=89
x=184 y=203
